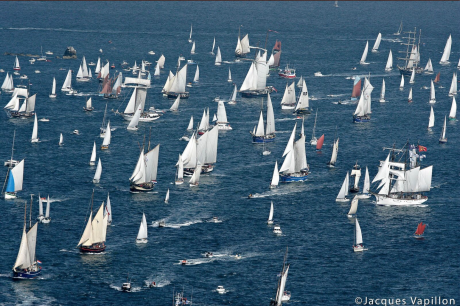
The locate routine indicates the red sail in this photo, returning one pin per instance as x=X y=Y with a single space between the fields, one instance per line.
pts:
x=420 y=229
x=436 y=80
x=277 y=46
x=276 y=58
x=356 y=90
x=319 y=143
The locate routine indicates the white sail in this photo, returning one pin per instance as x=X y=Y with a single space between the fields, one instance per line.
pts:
x=353 y=206
x=53 y=89
x=130 y=107
x=389 y=64
x=344 y=189
x=61 y=139
x=367 y=183
x=377 y=42
x=238 y=49
x=7 y=83
x=47 y=213
x=194 y=180
x=234 y=93
x=68 y=82
x=16 y=64
x=98 y=228
x=197 y=74
x=179 y=81
x=134 y=121
x=213 y=45
x=443 y=133
x=175 y=105
x=142 y=234
x=303 y=101
x=180 y=168
x=229 y=75
x=271 y=60
x=89 y=103
x=410 y=95
x=189 y=153
x=429 y=66
x=97 y=175
x=262 y=71
x=190 y=124
x=108 y=210
x=248 y=81
x=211 y=145
x=245 y=44
x=335 y=150
x=364 y=56
x=138 y=175
x=276 y=175
x=13 y=104
x=453 y=109
x=161 y=61
x=446 y=53
x=282 y=285
x=35 y=130
x=453 y=85
x=98 y=66
x=289 y=95
x=167 y=196
x=87 y=233
x=93 y=155
x=359 y=236
x=270 y=128
x=218 y=60
x=190 y=38
x=107 y=136
x=151 y=164
x=382 y=93
x=80 y=73
x=40 y=206
x=23 y=259
x=412 y=77
x=192 y=51
x=270 y=215
x=204 y=123
x=361 y=107
x=424 y=179
x=32 y=242
x=157 y=70
x=432 y=93
x=221 y=113
x=401 y=85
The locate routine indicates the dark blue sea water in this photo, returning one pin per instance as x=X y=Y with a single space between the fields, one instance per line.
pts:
x=324 y=270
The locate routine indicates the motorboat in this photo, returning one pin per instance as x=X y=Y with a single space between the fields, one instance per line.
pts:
x=37 y=71
x=162 y=223
x=126 y=287
x=23 y=77
x=208 y=254
x=92 y=64
x=44 y=120
x=49 y=53
x=76 y=132
x=318 y=74
x=287 y=73
x=277 y=230
x=215 y=220
x=183 y=262
x=237 y=256
x=220 y=289
x=151 y=53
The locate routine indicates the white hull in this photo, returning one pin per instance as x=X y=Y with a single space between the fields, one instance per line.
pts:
x=288 y=106
x=382 y=100
x=9 y=196
x=224 y=127
x=179 y=182
x=363 y=196
x=432 y=101
x=143 y=240
x=52 y=96
x=342 y=200
x=359 y=248
x=385 y=200
x=45 y=220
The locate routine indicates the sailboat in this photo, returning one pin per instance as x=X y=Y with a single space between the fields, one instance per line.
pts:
x=175 y=105
x=402 y=183
x=341 y=197
x=195 y=179
x=437 y=78
x=443 y=138
x=213 y=45
x=222 y=121
x=229 y=76
x=26 y=265
x=363 y=109
x=429 y=67
x=97 y=175
x=313 y=140
x=107 y=136
x=335 y=150
x=92 y=160
x=15 y=180
x=281 y=295
x=320 y=142
x=420 y=230
x=389 y=65
x=61 y=140
x=7 y=85
x=353 y=207
x=232 y=99
x=178 y=84
x=196 y=78
x=431 y=119
x=412 y=77
x=242 y=45
x=358 y=245
x=303 y=102
x=167 y=196
x=40 y=209
x=16 y=64
x=382 y=93
x=89 y=105
x=218 y=60
x=453 y=86
x=53 y=89
x=190 y=124
x=145 y=174
x=375 y=48
x=364 y=56
x=276 y=177
x=142 y=234
x=204 y=123
x=356 y=172
x=294 y=167
x=432 y=93
x=83 y=74
x=365 y=194
x=180 y=171
x=132 y=126
x=288 y=101
x=401 y=85
x=35 y=131
x=108 y=210
x=409 y=98
x=259 y=135
x=94 y=235
x=190 y=38
x=202 y=151
x=453 y=110
x=399 y=29
x=445 y=54
x=67 y=86
x=270 y=215
x=356 y=92
x=47 y=218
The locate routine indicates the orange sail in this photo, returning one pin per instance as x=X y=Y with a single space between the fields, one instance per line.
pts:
x=438 y=76
x=319 y=143
x=356 y=88
x=420 y=229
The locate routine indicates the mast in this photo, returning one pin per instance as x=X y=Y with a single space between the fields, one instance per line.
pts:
x=30 y=213
x=12 y=150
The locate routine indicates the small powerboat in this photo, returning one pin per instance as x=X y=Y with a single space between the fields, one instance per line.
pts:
x=152 y=284
x=318 y=74
x=183 y=262
x=162 y=223
x=151 y=53
x=215 y=220
x=92 y=64
x=220 y=289
x=208 y=254
x=126 y=287
x=49 y=53
x=250 y=196
x=76 y=132
x=44 y=120
x=237 y=256
x=23 y=77
x=277 y=230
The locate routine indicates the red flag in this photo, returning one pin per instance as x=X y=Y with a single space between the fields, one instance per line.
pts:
x=422 y=149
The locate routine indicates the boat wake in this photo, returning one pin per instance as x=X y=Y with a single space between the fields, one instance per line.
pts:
x=284 y=119
x=176 y=225
x=341 y=95
x=53 y=200
x=160 y=281
x=69 y=251
x=133 y=289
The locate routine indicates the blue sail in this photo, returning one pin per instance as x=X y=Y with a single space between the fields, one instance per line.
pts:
x=10 y=185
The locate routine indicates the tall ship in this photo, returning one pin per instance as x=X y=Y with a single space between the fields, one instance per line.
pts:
x=144 y=176
x=261 y=135
x=255 y=83
x=294 y=167
x=412 y=58
x=402 y=179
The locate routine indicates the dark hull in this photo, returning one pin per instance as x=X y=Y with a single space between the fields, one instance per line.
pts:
x=361 y=119
x=26 y=275
x=148 y=186
x=95 y=248
x=408 y=72
x=173 y=95
x=262 y=139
